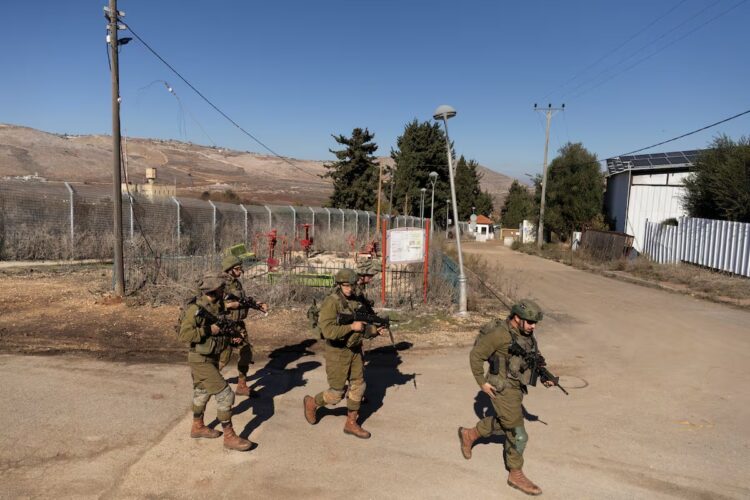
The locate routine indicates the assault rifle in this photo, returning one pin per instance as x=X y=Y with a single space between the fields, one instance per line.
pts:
x=246 y=303
x=227 y=327
x=370 y=319
x=538 y=366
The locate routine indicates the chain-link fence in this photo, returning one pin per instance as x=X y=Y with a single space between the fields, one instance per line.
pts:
x=60 y=220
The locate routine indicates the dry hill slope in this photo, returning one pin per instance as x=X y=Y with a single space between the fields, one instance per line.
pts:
x=254 y=177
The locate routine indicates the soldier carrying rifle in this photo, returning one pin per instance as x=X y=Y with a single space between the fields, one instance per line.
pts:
x=238 y=304
x=343 y=354
x=208 y=334
x=511 y=350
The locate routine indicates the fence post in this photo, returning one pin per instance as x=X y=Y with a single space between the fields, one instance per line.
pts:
x=368 y=225
x=294 y=222
x=213 y=226
x=72 y=222
x=178 y=223
x=130 y=199
x=356 y=224
x=313 y=222
x=384 y=263
x=329 y=219
x=244 y=211
x=343 y=218
x=270 y=218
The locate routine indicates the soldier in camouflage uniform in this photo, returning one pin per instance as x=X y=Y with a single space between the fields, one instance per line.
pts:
x=232 y=268
x=506 y=388
x=207 y=341
x=343 y=354
x=366 y=270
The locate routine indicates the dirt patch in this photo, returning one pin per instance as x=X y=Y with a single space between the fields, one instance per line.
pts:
x=68 y=310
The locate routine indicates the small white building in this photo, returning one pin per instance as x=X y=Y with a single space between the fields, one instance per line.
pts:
x=484 y=228
x=644 y=188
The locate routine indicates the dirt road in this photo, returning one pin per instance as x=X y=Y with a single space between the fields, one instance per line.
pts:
x=658 y=408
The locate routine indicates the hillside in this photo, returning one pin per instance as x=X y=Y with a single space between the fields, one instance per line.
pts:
x=256 y=178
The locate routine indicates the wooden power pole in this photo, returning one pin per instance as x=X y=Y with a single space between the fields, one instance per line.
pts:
x=549 y=111
x=119 y=269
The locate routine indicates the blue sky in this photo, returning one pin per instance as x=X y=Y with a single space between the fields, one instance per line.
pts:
x=294 y=72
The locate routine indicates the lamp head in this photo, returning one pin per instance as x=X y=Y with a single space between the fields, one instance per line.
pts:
x=444 y=112
x=433 y=176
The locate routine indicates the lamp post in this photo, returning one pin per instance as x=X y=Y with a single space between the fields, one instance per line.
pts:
x=445 y=112
x=421 y=206
x=433 y=178
x=447 y=207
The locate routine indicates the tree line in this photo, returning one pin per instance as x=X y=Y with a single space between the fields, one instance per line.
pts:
x=419 y=150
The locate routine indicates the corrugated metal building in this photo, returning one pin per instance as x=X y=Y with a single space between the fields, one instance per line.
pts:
x=644 y=188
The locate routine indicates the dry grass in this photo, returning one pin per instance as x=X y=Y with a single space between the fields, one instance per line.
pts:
x=713 y=285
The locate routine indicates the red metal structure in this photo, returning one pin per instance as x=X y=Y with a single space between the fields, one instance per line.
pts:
x=272 y=263
x=307 y=242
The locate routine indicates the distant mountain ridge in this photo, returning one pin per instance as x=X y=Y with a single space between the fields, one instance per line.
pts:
x=256 y=177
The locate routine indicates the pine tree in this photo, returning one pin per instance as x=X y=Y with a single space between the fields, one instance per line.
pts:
x=355 y=174
x=469 y=192
x=575 y=190
x=519 y=205
x=420 y=150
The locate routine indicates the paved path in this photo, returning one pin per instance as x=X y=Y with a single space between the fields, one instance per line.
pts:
x=658 y=409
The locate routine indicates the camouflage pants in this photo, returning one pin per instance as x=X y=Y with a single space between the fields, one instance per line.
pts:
x=509 y=421
x=245 y=357
x=343 y=364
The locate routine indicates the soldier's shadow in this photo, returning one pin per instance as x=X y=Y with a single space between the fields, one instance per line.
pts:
x=483 y=408
x=382 y=373
x=275 y=379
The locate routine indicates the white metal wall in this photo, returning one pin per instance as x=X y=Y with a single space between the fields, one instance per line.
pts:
x=721 y=245
x=653 y=197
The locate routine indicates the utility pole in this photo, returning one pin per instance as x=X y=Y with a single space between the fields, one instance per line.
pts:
x=549 y=111
x=380 y=188
x=119 y=269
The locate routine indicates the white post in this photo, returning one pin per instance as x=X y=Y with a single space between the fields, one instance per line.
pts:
x=329 y=218
x=343 y=218
x=244 y=210
x=178 y=223
x=270 y=218
x=72 y=222
x=313 y=222
x=213 y=226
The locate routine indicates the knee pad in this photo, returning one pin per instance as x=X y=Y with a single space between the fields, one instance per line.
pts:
x=357 y=390
x=332 y=396
x=200 y=398
x=225 y=399
x=521 y=439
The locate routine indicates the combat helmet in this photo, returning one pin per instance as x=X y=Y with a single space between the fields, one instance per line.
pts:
x=345 y=275
x=229 y=262
x=528 y=310
x=210 y=283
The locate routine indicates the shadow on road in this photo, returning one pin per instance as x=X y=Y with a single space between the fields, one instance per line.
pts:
x=275 y=379
x=483 y=408
x=381 y=373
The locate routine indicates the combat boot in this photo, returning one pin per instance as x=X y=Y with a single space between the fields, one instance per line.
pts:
x=311 y=410
x=232 y=441
x=242 y=388
x=519 y=481
x=352 y=427
x=199 y=429
x=467 y=438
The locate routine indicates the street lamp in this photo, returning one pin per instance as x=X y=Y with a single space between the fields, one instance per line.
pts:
x=445 y=112
x=421 y=206
x=447 y=207
x=433 y=178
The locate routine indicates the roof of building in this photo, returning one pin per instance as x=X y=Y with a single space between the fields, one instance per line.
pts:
x=674 y=160
x=481 y=219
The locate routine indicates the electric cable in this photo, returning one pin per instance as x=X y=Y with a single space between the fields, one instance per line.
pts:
x=218 y=110
x=607 y=54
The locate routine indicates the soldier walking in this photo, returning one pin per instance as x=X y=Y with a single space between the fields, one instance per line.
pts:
x=502 y=344
x=343 y=354
x=235 y=297
x=207 y=341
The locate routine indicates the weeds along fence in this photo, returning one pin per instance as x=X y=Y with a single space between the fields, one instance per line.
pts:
x=720 y=245
x=60 y=220
x=606 y=245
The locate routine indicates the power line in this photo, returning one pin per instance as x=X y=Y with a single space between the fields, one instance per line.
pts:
x=208 y=101
x=607 y=54
x=643 y=59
